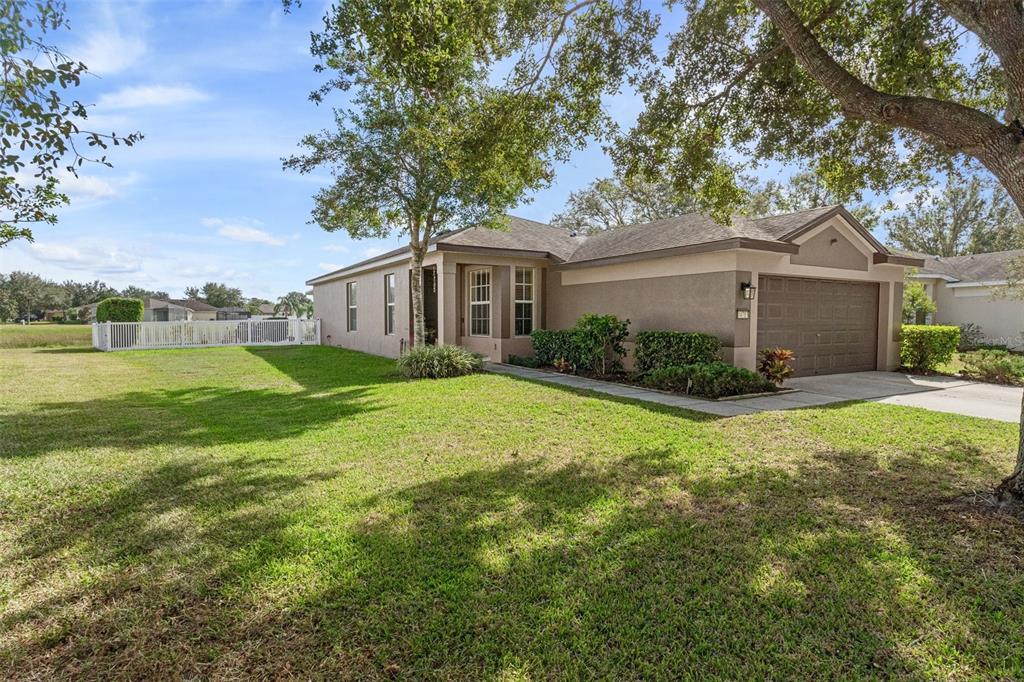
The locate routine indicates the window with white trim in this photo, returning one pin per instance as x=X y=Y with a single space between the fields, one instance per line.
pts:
x=350 y=295
x=389 y=304
x=480 y=303
x=524 y=301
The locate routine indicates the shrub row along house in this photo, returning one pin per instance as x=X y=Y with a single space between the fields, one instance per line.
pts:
x=979 y=289
x=814 y=281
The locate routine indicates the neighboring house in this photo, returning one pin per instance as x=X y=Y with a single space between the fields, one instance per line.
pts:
x=814 y=281
x=233 y=313
x=156 y=310
x=201 y=310
x=153 y=310
x=976 y=289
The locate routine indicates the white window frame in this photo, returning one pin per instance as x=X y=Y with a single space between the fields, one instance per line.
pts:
x=517 y=301
x=390 y=296
x=352 y=306
x=481 y=303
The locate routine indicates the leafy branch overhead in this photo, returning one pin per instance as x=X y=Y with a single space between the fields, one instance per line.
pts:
x=42 y=134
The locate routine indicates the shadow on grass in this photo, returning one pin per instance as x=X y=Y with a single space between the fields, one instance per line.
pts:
x=333 y=388
x=833 y=566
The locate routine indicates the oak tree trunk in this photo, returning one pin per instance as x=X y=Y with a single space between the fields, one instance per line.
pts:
x=418 y=321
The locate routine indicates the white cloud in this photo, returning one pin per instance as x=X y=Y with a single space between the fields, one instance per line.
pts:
x=336 y=248
x=93 y=187
x=243 y=233
x=330 y=267
x=372 y=251
x=109 y=51
x=91 y=258
x=139 y=96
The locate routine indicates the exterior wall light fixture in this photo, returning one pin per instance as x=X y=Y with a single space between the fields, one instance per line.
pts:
x=748 y=291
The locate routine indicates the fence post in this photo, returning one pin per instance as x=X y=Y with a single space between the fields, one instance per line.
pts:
x=106 y=340
x=316 y=326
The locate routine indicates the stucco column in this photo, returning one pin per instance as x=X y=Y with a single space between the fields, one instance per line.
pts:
x=447 y=303
x=501 y=287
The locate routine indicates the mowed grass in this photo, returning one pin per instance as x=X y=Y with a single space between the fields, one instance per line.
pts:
x=45 y=335
x=302 y=513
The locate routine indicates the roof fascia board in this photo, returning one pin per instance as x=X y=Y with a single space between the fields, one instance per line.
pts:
x=985 y=283
x=363 y=266
x=497 y=251
x=893 y=259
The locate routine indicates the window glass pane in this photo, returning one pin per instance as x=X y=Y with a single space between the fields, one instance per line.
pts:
x=480 y=303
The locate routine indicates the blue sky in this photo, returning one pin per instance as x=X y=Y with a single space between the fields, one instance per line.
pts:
x=220 y=91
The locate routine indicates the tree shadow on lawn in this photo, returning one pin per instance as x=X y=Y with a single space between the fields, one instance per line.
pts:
x=834 y=566
x=204 y=415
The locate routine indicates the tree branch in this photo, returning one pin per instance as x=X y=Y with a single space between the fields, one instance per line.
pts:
x=999 y=24
x=549 y=53
x=962 y=129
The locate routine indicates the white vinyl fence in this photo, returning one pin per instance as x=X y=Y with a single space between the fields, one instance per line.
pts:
x=199 y=334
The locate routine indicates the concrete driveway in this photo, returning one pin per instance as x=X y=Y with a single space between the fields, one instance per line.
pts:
x=942 y=394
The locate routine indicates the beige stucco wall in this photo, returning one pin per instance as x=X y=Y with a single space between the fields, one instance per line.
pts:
x=1000 y=317
x=329 y=304
x=204 y=315
x=697 y=292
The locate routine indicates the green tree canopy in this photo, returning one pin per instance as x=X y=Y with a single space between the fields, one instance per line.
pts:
x=968 y=215
x=430 y=142
x=42 y=134
x=294 y=303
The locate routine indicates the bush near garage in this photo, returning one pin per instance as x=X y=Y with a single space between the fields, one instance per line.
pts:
x=655 y=349
x=708 y=380
x=924 y=347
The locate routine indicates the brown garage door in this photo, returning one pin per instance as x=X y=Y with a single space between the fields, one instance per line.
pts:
x=831 y=326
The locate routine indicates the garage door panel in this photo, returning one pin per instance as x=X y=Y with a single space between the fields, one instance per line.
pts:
x=830 y=325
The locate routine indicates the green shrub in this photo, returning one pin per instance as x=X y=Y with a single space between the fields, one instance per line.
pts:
x=550 y=346
x=708 y=380
x=598 y=339
x=438 y=362
x=925 y=347
x=525 y=361
x=998 y=366
x=670 y=378
x=118 y=309
x=656 y=349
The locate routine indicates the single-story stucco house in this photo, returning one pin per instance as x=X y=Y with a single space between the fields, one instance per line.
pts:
x=977 y=289
x=153 y=310
x=815 y=281
x=201 y=310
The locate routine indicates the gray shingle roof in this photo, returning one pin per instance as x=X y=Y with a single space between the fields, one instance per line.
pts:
x=687 y=230
x=980 y=267
x=192 y=303
x=522 y=234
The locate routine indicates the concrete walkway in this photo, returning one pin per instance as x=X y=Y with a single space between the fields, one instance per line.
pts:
x=942 y=394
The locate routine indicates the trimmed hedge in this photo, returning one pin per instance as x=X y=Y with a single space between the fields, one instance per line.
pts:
x=594 y=344
x=708 y=380
x=550 y=345
x=118 y=309
x=655 y=349
x=438 y=362
x=925 y=347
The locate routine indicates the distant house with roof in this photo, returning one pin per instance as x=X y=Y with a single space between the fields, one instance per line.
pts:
x=976 y=289
x=153 y=310
x=201 y=310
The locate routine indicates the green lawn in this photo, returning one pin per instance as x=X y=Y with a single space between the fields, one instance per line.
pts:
x=44 y=335
x=300 y=512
